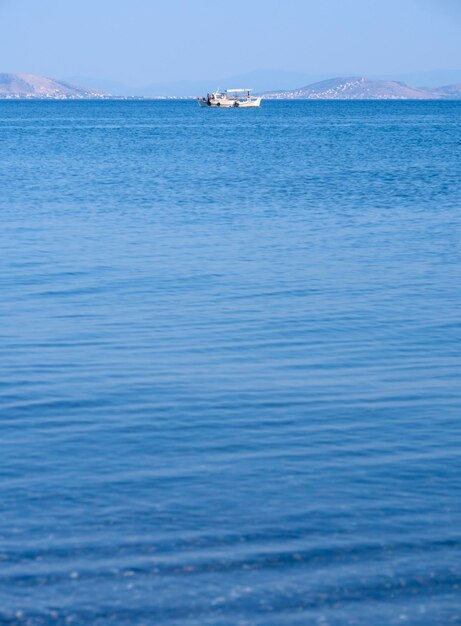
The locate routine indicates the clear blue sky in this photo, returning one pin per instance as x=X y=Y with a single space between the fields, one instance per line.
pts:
x=139 y=41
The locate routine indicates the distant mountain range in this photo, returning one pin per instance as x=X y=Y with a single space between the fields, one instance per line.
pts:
x=351 y=88
x=261 y=80
x=359 y=88
x=30 y=86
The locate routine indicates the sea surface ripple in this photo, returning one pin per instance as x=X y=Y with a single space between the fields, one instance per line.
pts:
x=230 y=364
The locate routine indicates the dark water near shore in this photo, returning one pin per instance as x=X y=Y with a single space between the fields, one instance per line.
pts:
x=230 y=364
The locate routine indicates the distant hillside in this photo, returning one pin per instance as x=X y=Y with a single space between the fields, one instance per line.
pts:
x=260 y=80
x=353 y=88
x=450 y=91
x=357 y=88
x=30 y=86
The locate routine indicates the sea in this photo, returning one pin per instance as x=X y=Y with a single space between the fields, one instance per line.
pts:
x=230 y=364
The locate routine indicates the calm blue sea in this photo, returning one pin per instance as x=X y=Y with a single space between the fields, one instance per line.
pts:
x=230 y=359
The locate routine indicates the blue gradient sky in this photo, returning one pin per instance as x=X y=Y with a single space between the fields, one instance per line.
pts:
x=146 y=40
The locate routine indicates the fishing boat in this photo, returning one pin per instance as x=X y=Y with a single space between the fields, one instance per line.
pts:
x=230 y=98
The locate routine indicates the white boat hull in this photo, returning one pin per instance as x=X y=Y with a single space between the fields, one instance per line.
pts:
x=231 y=104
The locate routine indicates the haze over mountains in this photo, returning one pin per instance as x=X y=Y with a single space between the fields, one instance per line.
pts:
x=263 y=80
x=343 y=88
x=260 y=80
